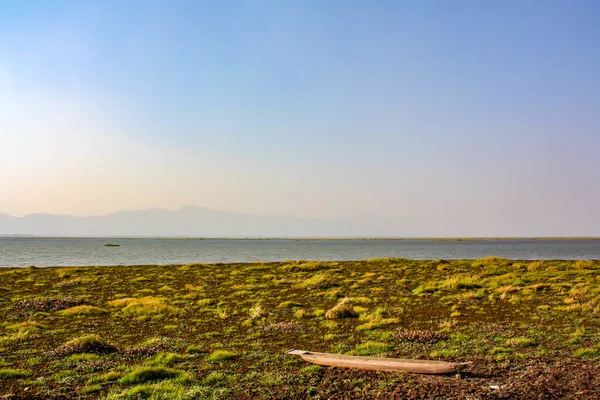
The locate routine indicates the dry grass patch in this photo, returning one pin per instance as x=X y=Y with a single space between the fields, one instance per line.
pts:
x=81 y=310
x=79 y=280
x=341 y=310
x=321 y=280
x=306 y=267
x=257 y=311
x=27 y=326
x=143 y=305
x=84 y=344
x=461 y=282
x=205 y=302
x=375 y=320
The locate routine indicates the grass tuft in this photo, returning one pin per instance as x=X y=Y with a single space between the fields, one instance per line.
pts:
x=221 y=355
x=166 y=359
x=214 y=379
x=84 y=344
x=321 y=280
x=143 y=305
x=371 y=349
x=27 y=326
x=13 y=374
x=342 y=310
x=590 y=352
x=81 y=310
x=289 y=304
x=152 y=374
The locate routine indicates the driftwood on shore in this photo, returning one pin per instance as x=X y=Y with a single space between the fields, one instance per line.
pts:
x=378 y=363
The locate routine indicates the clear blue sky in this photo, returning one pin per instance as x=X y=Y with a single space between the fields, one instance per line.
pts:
x=431 y=117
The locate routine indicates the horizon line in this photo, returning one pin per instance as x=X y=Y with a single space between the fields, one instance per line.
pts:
x=314 y=238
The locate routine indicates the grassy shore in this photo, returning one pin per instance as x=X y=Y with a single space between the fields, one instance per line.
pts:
x=531 y=329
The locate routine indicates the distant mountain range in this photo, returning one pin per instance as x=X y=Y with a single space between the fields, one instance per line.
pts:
x=189 y=221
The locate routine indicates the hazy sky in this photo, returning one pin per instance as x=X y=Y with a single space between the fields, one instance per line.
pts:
x=463 y=116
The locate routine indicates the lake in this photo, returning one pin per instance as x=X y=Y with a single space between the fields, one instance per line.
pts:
x=43 y=252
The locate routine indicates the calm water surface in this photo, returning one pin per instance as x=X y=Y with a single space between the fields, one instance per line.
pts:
x=44 y=252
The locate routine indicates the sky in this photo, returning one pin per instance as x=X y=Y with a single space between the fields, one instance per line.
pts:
x=431 y=117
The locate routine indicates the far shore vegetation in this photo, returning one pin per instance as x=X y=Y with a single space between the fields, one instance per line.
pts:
x=202 y=331
x=433 y=239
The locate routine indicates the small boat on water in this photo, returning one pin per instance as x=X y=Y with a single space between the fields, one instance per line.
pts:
x=112 y=245
x=378 y=363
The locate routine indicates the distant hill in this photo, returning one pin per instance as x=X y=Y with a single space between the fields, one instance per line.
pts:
x=187 y=221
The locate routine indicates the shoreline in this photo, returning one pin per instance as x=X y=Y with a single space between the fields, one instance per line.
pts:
x=277 y=262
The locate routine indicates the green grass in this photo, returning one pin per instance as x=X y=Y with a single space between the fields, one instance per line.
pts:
x=271 y=380
x=165 y=390
x=221 y=355
x=590 y=352
x=311 y=369
x=83 y=357
x=371 y=349
x=521 y=342
x=205 y=302
x=166 y=359
x=289 y=304
x=151 y=374
x=444 y=353
x=377 y=324
x=194 y=349
x=214 y=378
x=13 y=374
x=90 y=389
